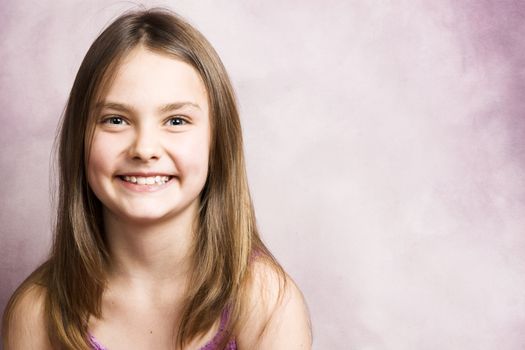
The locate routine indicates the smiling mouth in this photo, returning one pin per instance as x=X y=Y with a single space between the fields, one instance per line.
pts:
x=149 y=180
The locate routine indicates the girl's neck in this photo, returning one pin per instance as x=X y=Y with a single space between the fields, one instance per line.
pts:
x=150 y=254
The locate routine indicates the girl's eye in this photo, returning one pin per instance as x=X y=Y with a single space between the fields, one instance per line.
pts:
x=114 y=121
x=176 y=121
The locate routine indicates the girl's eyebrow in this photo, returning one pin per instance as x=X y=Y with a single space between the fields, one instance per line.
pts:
x=163 y=109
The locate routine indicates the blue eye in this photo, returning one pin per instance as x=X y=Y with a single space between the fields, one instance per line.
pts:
x=176 y=121
x=114 y=120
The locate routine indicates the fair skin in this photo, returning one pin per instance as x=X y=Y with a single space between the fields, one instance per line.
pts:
x=148 y=165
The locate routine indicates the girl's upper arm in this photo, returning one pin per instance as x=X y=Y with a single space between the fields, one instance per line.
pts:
x=277 y=316
x=26 y=328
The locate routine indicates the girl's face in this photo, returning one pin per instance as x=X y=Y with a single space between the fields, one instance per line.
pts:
x=149 y=152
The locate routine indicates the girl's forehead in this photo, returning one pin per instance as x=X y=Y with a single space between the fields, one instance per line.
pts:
x=146 y=77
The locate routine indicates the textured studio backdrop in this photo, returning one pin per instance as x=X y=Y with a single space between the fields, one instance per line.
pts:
x=385 y=143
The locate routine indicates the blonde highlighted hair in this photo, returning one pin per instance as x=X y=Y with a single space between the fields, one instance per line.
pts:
x=226 y=237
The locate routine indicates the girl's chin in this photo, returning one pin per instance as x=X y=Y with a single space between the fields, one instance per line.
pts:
x=148 y=219
x=150 y=210
x=139 y=217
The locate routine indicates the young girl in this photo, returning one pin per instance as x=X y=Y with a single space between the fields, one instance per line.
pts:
x=155 y=245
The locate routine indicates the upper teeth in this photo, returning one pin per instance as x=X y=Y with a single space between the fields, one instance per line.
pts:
x=141 y=180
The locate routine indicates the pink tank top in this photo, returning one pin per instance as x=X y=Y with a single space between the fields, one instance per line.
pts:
x=213 y=344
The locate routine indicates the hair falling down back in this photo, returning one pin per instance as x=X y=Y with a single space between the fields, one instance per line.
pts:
x=73 y=278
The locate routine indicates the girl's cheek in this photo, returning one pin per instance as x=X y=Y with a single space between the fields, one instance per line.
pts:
x=95 y=169
x=191 y=154
x=192 y=144
x=102 y=156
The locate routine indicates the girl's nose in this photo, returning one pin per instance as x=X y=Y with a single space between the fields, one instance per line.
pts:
x=146 y=145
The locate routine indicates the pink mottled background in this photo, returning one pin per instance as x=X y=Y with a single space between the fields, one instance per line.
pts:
x=385 y=146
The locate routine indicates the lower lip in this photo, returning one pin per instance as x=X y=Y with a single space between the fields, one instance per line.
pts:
x=145 y=188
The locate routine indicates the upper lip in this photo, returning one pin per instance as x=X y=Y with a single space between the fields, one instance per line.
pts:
x=144 y=174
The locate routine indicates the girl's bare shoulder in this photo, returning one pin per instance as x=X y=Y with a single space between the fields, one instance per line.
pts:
x=275 y=315
x=24 y=325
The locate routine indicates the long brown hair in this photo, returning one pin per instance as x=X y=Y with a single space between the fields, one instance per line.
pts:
x=74 y=276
